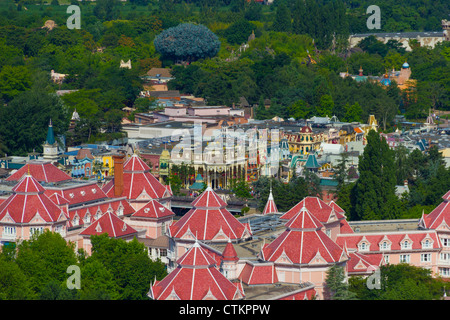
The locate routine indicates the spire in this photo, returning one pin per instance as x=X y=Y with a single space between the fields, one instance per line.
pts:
x=50 y=135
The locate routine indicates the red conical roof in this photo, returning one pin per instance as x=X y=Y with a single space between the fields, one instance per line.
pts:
x=29 y=202
x=270 y=207
x=135 y=164
x=138 y=182
x=28 y=184
x=304 y=220
x=196 y=257
x=195 y=278
x=229 y=253
x=209 y=199
x=319 y=208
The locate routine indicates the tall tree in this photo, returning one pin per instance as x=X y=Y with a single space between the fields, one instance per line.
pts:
x=375 y=197
x=283 y=18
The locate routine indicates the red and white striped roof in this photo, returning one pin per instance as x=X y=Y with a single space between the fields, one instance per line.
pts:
x=270 y=207
x=153 y=210
x=28 y=204
x=112 y=225
x=439 y=217
x=196 y=278
x=41 y=171
x=303 y=242
x=209 y=199
x=209 y=220
x=138 y=182
x=229 y=253
x=319 y=208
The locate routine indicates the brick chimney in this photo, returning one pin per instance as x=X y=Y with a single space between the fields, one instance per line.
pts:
x=118 y=174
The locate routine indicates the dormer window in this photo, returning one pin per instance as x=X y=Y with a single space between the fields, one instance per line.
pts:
x=427 y=244
x=385 y=245
x=363 y=246
x=406 y=244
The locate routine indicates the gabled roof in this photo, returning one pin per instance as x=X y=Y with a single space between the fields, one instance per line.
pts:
x=108 y=205
x=440 y=215
x=196 y=257
x=195 y=278
x=28 y=203
x=153 y=209
x=111 y=224
x=41 y=171
x=362 y=264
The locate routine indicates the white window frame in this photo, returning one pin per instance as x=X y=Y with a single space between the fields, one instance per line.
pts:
x=427 y=244
x=405 y=258
x=385 y=246
x=9 y=230
x=36 y=230
x=444 y=272
x=406 y=244
x=425 y=257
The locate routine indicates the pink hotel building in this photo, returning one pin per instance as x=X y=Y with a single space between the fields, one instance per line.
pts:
x=315 y=236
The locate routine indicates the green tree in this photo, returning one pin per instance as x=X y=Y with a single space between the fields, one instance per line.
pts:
x=336 y=284
x=44 y=260
x=400 y=282
x=14 y=284
x=127 y=263
x=283 y=18
x=13 y=81
x=187 y=42
x=375 y=197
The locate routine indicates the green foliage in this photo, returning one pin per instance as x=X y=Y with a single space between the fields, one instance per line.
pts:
x=127 y=263
x=285 y=195
x=187 y=42
x=400 y=282
x=336 y=285
x=116 y=270
x=375 y=197
x=13 y=81
x=238 y=32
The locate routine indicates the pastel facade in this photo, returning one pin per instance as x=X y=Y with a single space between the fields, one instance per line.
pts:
x=208 y=221
x=154 y=218
x=29 y=211
x=196 y=278
x=303 y=252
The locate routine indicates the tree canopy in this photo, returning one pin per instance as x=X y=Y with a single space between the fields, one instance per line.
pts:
x=187 y=42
